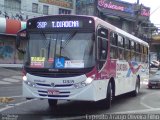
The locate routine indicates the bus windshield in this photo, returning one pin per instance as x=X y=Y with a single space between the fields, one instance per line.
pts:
x=60 y=50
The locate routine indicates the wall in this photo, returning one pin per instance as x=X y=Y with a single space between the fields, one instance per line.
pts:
x=8 y=52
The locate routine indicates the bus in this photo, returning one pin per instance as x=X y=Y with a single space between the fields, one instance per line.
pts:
x=83 y=58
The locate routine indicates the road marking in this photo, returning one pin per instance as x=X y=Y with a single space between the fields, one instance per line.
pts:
x=144 y=97
x=4 y=82
x=17 y=104
x=17 y=77
x=10 y=80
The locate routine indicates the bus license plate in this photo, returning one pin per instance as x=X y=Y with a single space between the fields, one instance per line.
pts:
x=53 y=92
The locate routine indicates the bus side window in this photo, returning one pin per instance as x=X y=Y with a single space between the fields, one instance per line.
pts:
x=127 y=53
x=102 y=51
x=113 y=52
x=120 y=47
x=113 y=46
x=133 y=51
x=113 y=38
x=120 y=54
x=102 y=47
x=145 y=52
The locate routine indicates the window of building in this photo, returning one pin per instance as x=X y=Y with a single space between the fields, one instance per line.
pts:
x=12 y=4
x=35 y=7
x=69 y=1
x=64 y=11
x=45 y=9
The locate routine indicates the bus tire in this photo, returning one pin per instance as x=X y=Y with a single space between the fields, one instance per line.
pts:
x=52 y=103
x=109 y=95
x=150 y=87
x=137 y=87
x=106 y=103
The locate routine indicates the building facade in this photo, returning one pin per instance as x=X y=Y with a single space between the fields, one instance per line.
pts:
x=25 y=9
x=13 y=16
x=127 y=16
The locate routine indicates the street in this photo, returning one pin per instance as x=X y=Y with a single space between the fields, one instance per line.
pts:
x=11 y=86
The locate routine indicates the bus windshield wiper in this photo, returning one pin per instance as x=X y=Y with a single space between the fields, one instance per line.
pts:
x=69 y=38
x=49 y=44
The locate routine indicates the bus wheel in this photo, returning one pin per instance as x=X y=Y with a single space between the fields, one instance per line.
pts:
x=150 y=87
x=137 y=88
x=109 y=96
x=106 y=103
x=52 y=103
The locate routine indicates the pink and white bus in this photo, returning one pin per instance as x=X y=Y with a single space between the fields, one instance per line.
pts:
x=71 y=57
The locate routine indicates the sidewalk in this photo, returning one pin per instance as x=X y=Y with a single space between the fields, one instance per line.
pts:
x=7 y=72
x=11 y=65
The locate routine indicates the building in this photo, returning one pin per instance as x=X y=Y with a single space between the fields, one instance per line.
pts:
x=13 y=16
x=132 y=18
x=129 y=17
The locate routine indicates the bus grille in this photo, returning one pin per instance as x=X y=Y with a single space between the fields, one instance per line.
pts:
x=57 y=85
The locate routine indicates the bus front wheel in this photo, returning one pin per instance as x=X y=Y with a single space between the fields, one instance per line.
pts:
x=106 y=103
x=52 y=103
x=109 y=96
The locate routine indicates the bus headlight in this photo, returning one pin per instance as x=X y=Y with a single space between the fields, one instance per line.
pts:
x=83 y=83
x=88 y=80
x=25 y=78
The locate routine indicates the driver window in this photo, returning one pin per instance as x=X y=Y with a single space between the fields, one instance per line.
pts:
x=102 y=51
x=102 y=47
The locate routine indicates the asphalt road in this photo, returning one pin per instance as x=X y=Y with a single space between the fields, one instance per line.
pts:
x=147 y=102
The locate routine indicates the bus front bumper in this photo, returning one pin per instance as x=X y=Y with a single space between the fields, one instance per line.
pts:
x=92 y=92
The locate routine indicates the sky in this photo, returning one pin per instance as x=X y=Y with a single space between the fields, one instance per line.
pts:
x=154 y=9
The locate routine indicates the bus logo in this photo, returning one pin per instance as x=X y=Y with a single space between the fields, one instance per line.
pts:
x=52 y=84
x=134 y=68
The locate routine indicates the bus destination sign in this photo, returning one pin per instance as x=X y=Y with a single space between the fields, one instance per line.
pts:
x=59 y=24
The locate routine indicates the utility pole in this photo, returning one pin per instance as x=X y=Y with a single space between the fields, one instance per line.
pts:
x=137 y=10
x=96 y=12
x=138 y=2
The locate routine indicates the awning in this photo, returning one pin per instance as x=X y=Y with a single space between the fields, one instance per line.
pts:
x=10 y=26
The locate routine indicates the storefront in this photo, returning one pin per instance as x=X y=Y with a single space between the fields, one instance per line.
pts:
x=8 y=30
